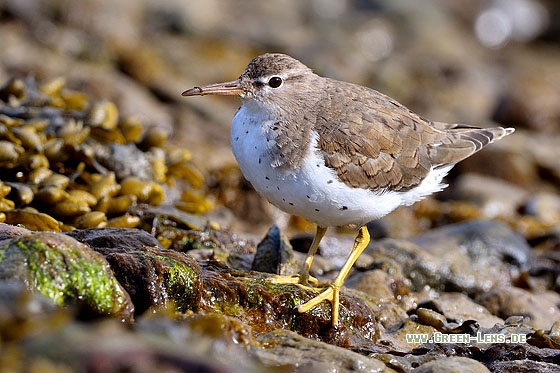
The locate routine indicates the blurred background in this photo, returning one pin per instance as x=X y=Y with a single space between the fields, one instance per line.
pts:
x=469 y=61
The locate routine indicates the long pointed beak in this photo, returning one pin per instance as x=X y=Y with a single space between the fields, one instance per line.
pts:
x=232 y=88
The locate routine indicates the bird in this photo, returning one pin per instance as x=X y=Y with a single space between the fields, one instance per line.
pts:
x=336 y=153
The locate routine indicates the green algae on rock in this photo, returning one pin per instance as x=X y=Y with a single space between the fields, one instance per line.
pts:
x=66 y=272
x=153 y=276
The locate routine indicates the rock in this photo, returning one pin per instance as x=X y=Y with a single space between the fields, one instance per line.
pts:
x=151 y=275
x=398 y=341
x=452 y=364
x=154 y=277
x=275 y=254
x=123 y=238
x=406 y=260
x=476 y=256
x=544 y=149
x=215 y=340
x=376 y=283
x=460 y=308
x=300 y=354
x=152 y=346
x=541 y=309
x=520 y=357
x=65 y=271
x=266 y=306
x=8 y=231
x=524 y=365
x=405 y=49
x=460 y=257
x=545 y=207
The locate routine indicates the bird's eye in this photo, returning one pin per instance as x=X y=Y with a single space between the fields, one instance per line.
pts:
x=275 y=82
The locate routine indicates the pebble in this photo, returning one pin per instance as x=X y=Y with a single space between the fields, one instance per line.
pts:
x=452 y=364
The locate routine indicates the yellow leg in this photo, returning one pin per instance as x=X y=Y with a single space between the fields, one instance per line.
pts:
x=332 y=293
x=304 y=278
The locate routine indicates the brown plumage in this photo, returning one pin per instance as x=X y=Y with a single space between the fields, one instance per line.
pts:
x=374 y=142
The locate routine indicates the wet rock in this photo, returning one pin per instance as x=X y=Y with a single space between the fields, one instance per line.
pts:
x=513 y=331
x=210 y=339
x=155 y=278
x=397 y=342
x=452 y=364
x=65 y=271
x=549 y=338
x=151 y=275
x=419 y=267
x=459 y=308
x=123 y=238
x=524 y=365
x=376 y=283
x=267 y=306
x=363 y=42
x=275 y=254
x=300 y=354
x=461 y=257
x=477 y=255
x=442 y=324
x=541 y=309
x=237 y=250
x=520 y=357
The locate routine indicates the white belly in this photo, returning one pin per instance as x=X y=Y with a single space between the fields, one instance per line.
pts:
x=313 y=191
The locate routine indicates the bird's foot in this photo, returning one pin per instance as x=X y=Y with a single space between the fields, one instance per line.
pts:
x=332 y=294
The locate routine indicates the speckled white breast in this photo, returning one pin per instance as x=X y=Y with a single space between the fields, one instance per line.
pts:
x=313 y=191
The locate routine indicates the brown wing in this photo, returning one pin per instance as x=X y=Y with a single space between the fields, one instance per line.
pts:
x=372 y=141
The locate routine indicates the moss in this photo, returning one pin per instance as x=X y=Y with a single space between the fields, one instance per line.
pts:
x=255 y=295
x=66 y=272
x=231 y=308
x=181 y=282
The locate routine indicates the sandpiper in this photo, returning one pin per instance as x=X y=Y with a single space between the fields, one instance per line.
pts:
x=336 y=153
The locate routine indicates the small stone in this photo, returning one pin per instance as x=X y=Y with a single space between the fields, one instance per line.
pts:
x=275 y=254
x=545 y=206
x=452 y=364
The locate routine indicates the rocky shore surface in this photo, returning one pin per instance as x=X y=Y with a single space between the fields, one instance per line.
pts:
x=129 y=240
